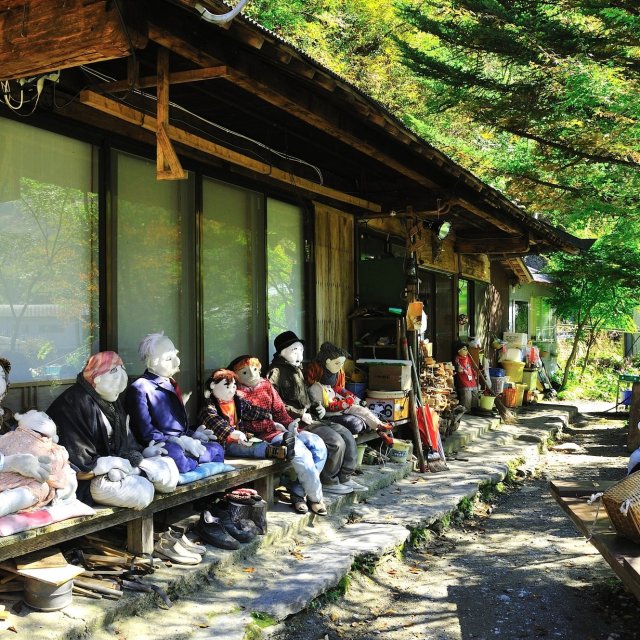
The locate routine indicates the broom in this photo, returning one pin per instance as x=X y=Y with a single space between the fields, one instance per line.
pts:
x=506 y=415
x=436 y=460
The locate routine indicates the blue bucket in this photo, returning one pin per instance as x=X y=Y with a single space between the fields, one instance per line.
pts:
x=497 y=372
x=359 y=388
x=626 y=397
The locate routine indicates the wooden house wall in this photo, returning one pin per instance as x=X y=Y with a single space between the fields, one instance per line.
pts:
x=334 y=263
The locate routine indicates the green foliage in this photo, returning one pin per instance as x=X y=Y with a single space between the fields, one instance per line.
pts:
x=263 y=619
x=540 y=99
x=331 y=595
x=365 y=563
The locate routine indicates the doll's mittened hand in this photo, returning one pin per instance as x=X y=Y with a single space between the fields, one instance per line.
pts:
x=306 y=418
x=203 y=434
x=154 y=449
x=115 y=475
x=192 y=446
x=238 y=436
x=28 y=465
x=107 y=463
x=177 y=440
x=320 y=412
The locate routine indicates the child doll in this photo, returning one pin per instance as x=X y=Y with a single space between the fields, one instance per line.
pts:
x=229 y=417
x=326 y=380
x=466 y=377
x=310 y=451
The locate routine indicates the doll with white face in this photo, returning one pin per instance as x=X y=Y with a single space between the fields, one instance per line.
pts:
x=7 y=421
x=229 y=416
x=286 y=375
x=326 y=379
x=94 y=428
x=35 y=470
x=310 y=451
x=156 y=407
x=466 y=377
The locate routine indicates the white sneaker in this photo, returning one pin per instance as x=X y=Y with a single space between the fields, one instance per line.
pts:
x=340 y=489
x=189 y=545
x=169 y=548
x=356 y=486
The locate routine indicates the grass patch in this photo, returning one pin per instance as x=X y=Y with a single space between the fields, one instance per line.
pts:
x=365 y=563
x=262 y=619
x=331 y=595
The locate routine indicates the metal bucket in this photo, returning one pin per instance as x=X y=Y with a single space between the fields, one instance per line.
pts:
x=47 y=597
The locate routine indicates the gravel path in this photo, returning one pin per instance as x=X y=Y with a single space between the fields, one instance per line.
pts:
x=515 y=569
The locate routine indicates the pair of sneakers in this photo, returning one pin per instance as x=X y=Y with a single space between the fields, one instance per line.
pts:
x=175 y=546
x=344 y=488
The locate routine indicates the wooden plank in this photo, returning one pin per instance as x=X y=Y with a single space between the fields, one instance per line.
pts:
x=591 y=520
x=177 y=77
x=42 y=537
x=41 y=36
x=133 y=116
x=633 y=436
x=568 y=488
x=492 y=246
x=168 y=165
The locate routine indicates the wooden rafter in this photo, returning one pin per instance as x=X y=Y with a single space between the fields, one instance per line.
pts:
x=263 y=83
x=178 y=77
x=491 y=246
x=180 y=136
x=168 y=165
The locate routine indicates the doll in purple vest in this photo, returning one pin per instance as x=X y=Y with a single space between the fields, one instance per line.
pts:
x=156 y=407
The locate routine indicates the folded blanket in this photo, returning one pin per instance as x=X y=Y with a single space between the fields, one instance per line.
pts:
x=204 y=470
x=25 y=520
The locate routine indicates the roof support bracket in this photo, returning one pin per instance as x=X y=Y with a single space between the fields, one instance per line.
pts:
x=168 y=165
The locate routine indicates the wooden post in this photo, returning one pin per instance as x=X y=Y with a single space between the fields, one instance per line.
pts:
x=265 y=486
x=633 y=437
x=140 y=535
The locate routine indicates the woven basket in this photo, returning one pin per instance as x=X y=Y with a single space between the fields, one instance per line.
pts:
x=626 y=491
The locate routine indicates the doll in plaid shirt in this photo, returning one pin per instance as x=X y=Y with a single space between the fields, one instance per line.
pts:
x=229 y=418
x=310 y=452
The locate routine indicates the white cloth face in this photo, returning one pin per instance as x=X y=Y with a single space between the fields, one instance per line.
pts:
x=224 y=390
x=111 y=384
x=334 y=365
x=293 y=353
x=164 y=360
x=249 y=375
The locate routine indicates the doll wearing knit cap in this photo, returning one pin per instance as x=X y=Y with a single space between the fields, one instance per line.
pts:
x=113 y=468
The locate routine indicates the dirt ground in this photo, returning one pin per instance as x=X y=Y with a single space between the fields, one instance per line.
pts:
x=516 y=568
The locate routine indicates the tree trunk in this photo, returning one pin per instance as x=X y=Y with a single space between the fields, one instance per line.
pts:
x=590 y=342
x=572 y=357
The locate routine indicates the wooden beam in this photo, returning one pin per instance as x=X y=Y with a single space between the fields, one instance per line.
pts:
x=493 y=245
x=168 y=165
x=177 y=77
x=495 y=219
x=260 y=84
x=41 y=36
x=133 y=116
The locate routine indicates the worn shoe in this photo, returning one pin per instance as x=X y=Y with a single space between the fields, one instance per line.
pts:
x=299 y=504
x=276 y=451
x=339 y=489
x=242 y=530
x=171 y=549
x=289 y=441
x=319 y=508
x=356 y=486
x=211 y=531
x=189 y=545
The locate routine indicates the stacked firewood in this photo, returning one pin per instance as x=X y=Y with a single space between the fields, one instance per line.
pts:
x=438 y=389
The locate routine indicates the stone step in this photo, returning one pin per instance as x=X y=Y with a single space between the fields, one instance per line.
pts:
x=231 y=594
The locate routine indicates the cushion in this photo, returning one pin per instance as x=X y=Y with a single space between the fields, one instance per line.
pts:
x=25 y=520
x=204 y=470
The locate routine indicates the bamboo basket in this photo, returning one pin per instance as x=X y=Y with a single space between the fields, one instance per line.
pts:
x=627 y=493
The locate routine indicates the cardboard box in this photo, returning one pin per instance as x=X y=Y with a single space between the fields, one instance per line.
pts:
x=390 y=408
x=390 y=376
x=514 y=339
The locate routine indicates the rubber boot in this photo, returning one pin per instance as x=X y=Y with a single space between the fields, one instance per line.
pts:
x=238 y=512
x=258 y=513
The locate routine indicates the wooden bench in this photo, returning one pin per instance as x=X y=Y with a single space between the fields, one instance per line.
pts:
x=261 y=473
x=593 y=522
